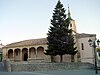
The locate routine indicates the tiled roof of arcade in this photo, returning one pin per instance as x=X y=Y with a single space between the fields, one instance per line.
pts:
x=41 y=41
x=30 y=42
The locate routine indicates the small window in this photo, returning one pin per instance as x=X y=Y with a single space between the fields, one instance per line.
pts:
x=82 y=46
x=70 y=25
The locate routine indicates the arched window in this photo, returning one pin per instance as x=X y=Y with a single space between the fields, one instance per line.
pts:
x=70 y=25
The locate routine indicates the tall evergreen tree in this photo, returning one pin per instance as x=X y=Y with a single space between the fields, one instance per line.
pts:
x=71 y=49
x=57 y=33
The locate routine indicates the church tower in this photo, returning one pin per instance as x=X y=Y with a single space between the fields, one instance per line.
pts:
x=72 y=26
x=72 y=22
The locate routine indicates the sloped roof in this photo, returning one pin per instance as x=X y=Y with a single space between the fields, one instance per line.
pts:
x=83 y=35
x=42 y=41
x=30 y=42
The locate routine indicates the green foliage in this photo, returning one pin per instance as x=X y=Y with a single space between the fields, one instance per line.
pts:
x=57 y=32
x=60 y=38
x=98 y=49
x=71 y=49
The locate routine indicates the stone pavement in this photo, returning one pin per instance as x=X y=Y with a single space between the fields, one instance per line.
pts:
x=22 y=73
x=75 y=72
x=68 y=72
x=60 y=72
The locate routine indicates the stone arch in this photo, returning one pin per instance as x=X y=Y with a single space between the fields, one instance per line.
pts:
x=24 y=54
x=32 y=52
x=10 y=54
x=40 y=52
x=17 y=54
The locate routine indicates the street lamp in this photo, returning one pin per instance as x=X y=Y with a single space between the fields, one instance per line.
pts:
x=93 y=44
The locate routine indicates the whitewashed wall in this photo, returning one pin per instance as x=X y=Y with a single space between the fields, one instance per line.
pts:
x=87 y=55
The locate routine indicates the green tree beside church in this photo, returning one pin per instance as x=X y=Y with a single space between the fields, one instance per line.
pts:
x=60 y=38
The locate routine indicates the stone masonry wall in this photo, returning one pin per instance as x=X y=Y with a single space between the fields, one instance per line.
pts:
x=7 y=65
x=18 y=67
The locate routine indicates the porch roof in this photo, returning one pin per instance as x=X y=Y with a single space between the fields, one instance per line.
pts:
x=41 y=41
x=31 y=42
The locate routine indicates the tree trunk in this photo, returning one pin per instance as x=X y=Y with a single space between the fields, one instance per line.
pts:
x=72 y=58
x=61 y=58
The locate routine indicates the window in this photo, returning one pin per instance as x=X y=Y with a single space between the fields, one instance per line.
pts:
x=82 y=46
x=70 y=25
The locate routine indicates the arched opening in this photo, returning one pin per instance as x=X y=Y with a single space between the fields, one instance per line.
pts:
x=40 y=52
x=32 y=52
x=24 y=54
x=25 y=57
x=17 y=54
x=10 y=54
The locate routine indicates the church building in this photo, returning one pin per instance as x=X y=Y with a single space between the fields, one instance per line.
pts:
x=32 y=50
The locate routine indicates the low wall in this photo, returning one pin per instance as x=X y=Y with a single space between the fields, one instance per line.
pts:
x=7 y=65
x=18 y=67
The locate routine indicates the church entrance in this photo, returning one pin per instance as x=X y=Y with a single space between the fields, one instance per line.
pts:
x=25 y=56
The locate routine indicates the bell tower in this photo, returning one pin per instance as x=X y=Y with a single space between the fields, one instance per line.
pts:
x=72 y=26
x=72 y=22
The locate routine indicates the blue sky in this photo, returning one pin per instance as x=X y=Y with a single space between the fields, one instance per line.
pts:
x=30 y=19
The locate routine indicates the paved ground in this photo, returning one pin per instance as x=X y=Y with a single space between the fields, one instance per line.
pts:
x=69 y=72
x=22 y=73
x=75 y=72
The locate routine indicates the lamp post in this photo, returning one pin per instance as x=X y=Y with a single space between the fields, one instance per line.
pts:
x=93 y=44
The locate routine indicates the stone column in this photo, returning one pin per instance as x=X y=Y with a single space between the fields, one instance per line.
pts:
x=13 y=55
x=21 y=55
x=28 y=53
x=36 y=52
x=6 y=54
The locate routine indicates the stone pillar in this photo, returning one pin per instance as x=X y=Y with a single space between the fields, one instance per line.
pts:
x=13 y=55
x=21 y=55
x=36 y=53
x=5 y=57
x=28 y=53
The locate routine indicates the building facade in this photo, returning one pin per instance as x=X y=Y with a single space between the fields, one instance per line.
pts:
x=33 y=50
